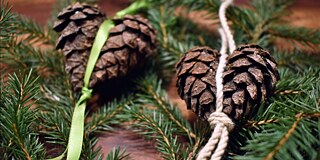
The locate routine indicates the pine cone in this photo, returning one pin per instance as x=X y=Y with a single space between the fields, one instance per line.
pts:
x=78 y=23
x=249 y=78
x=196 y=83
x=129 y=43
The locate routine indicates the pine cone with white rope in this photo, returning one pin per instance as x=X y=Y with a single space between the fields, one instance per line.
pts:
x=196 y=82
x=249 y=79
x=130 y=42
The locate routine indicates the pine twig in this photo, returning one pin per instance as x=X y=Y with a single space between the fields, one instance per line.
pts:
x=117 y=154
x=194 y=149
x=285 y=137
x=161 y=101
x=15 y=130
x=252 y=124
x=159 y=130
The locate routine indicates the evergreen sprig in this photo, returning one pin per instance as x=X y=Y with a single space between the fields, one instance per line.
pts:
x=152 y=94
x=118 y=154
x=32 y=32
x=7 y=22
x=18 y=120
x=153 y=125
x=47 y=63
x=286 y=127
x=106 y=116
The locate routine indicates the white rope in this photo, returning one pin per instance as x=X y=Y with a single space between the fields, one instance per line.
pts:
x=219 y=73
x=219 y=121
x=224 y=24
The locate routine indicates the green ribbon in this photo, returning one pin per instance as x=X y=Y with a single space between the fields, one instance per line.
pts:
x=77 y=124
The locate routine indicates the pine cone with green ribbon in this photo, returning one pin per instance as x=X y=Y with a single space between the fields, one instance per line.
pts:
x=249 y=79
x=130 y=42
x=78 y=24
x=196 y=71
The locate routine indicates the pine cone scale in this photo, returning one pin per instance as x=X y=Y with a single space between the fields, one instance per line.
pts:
x=199 y=68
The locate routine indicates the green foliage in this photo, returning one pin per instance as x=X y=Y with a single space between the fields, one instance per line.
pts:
x=286 y=127
x=47 y=63
x=19 y=131
x=117 y=154
x=154 y=125
x=290 y=138
x=6 y=21
x=106 y=116
x=32 y=31
x=155 y=116
x=297 y=34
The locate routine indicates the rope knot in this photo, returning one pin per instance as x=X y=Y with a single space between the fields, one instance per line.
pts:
x=219 y=117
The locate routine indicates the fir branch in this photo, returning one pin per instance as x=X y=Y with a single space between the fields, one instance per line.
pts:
x=155 y=127
x=32 y=31
x=296 y=61
x=7 y=23
x=254 y=124
x=259 y=24
x=106 y=116
x=291 y=138
x=195 y=149
x=118 y=154
x=305 y=36
x=23 y=56
x=156 y=96
x=89 y=151
x=56 y=103
x=165 y=22
x=18 y=127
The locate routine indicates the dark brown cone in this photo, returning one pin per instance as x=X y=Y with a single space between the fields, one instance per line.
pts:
x=78 y=24
x=129 y=43
x=249 y=79
x=196 y=79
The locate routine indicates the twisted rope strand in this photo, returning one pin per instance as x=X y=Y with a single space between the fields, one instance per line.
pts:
x=219 y=74
x=222 y=145
x=224 y=24
x=219 y=121
x=205 y=152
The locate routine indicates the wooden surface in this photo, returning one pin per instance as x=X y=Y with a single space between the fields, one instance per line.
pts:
x=304 y=13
